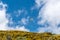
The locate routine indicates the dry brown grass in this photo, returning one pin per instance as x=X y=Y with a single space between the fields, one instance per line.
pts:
x=20 y=35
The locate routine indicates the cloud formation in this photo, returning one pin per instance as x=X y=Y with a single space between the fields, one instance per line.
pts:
x=22 y=28
x=50 y=13
x=24 y=21
x=4 y=20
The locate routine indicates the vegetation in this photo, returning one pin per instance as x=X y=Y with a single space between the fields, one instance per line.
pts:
x=20 y=35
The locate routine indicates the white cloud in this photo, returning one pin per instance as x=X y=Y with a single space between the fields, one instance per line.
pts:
x=4 y=20
x=55 y=30
x=24 y=21
x=50 y=13
x=22 y=28
x=39 y=2
x=19 y=12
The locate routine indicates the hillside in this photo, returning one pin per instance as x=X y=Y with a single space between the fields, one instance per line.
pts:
x=21 y=35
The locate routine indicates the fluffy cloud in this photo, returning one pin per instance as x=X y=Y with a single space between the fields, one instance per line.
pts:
x=22 y=28
x=39 y=2
x=24 y=21
x=4 y=20
x=19 y=12
x=50 y=13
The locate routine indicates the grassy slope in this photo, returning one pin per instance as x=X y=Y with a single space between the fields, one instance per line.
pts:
x=20 y=35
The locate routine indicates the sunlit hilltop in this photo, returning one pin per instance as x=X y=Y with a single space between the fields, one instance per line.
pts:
x=22 y=35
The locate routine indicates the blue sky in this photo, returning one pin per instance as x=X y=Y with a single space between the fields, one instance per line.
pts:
x=23 y=5
x=26 y=7
x=30 y=15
